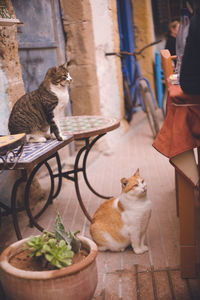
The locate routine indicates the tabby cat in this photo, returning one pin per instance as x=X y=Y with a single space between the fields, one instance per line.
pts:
x=123 y=221
x=33 y=113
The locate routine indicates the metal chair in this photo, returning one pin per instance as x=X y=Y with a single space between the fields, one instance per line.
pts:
x=167 y=66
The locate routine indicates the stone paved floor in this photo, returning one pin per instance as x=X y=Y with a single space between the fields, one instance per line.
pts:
x=153 y=275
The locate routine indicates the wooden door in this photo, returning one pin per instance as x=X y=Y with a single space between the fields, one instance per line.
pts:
x=41 y=39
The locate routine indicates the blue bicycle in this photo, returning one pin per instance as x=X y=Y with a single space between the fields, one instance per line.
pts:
x=138 y=93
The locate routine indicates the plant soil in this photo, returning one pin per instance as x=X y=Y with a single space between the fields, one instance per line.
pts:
x=22 y=261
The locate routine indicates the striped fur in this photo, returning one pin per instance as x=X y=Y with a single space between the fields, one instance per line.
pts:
x=33 y=113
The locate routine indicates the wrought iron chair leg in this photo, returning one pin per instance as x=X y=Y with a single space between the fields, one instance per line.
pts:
x=59 y=175
x=27 y=191
x=76 y=183
x=84 y=168
x=14 y=204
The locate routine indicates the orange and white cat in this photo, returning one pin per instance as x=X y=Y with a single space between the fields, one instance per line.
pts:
x=123 y=221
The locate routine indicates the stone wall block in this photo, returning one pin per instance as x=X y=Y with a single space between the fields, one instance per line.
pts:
x=76 y=11
x=84 y=100
x=83 y=75
x=80 y=50
x=10 y=63
x=79 y=46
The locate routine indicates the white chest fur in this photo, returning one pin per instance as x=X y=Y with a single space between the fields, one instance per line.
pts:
x=63 y=99
x=135 y=216
x=138 y=210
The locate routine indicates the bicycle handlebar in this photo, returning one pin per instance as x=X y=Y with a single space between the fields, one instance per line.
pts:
x=126 y=53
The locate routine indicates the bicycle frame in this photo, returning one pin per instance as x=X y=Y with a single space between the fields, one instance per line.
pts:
x=134 y=86
x=137 y=76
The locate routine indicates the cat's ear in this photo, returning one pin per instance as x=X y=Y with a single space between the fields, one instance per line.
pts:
x=51 y=72
x=137 y=173
x=66 y=65
x=124 y=182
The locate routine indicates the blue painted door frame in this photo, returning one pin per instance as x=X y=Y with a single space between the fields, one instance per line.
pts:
x=130 y=68
x=127 y=40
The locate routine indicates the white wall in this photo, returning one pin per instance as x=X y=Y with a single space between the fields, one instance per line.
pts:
x=106 y=68
x=110 y=102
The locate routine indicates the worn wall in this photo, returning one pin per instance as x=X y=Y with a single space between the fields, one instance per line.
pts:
x=104 y=34
x=144 y=34
x=11 y=86
x=109 y=75
x=84 y=90
x=92 y=30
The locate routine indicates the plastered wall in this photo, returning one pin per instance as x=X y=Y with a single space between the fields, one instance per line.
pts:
x=11 y=88
x=11 y=84
x=144 y=34
x=80 y=50
x=102 y=16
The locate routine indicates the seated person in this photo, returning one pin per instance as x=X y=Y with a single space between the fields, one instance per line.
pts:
x=190 y=67
x=171 y=37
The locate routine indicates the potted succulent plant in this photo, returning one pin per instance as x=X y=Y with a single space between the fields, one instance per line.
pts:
x=54 y=265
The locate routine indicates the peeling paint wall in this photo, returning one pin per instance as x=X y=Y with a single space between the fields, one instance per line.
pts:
x=11 y=89
x=110 y=98
x=10 y=63
x=84 y=89
x=144 y=35
x=108 y=68
x=3 y=104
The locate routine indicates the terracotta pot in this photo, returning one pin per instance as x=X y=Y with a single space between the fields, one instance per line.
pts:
x=76 y=282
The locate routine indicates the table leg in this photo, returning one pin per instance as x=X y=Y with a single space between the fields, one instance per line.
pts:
x=187 y=227
x=76 y=183
x=84 y=169
x=69 y=174
x=14 y=204
x=187 y=178
x=27 y=192
x=59 y=175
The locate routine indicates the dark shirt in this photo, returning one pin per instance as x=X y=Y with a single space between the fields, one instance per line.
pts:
x=171 y=44
x=190 y=67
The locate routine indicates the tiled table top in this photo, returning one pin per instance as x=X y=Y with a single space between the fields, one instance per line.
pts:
x=87 y=126
x=9 y=142
x=72 y=127
x=33 y=153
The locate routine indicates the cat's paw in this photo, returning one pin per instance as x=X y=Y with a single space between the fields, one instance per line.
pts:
x=64 y=137
x=141 y=250
x=50 y=136
x=39 y=139
x=59 y=138
x=102 y=248
x=122 y=249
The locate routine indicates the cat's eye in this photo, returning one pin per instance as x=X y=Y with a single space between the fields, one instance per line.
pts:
x=136 y=185
x=142 y=180
x=124 y=182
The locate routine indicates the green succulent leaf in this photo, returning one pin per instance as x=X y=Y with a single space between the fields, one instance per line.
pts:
x=57 y=248
x=69 y=237
x=35 y=245
x=75 y=242
x=59 y=230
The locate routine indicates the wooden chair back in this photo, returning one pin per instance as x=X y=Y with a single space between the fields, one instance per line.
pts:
x=167 y=65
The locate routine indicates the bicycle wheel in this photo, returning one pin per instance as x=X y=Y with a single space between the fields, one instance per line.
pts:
x=149 y=107
x=128 y=101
